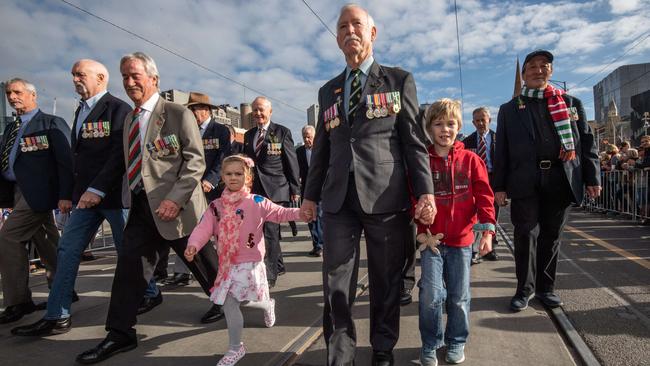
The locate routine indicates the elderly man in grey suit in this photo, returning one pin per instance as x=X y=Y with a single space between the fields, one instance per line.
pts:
x=368 y=145
x=164 y=163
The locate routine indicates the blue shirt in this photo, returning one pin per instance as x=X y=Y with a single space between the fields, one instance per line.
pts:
x=488 y=143
x=25 y=118
x=365 y=68
x=85 y=106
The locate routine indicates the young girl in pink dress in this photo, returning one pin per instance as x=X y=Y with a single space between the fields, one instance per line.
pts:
x=237 y=219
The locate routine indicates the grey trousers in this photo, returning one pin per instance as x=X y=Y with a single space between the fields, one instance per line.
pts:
x=25 y=225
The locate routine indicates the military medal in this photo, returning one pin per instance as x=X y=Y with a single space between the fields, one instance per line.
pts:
x=100 y=127
x=369 y=113
x=30 y=144
x=397 y=103
x=152 y=150
x=573 y=113
x=163 y=147
x=95 y=129
x=384 y=108
x=84 y=128
x=377 y=111
x=23 y=145
x=107 y=128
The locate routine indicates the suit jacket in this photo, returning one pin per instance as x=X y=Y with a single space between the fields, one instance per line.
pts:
x=236 y=148
x=98 y=161
x=471 y=142
x=44 y=176
x=516 y=165
x=276 y=176
x=303 y=165
x=213 y=157
x=173 y=177
x=385 y=152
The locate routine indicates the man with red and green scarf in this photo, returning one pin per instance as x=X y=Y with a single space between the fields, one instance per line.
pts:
x=546 y=158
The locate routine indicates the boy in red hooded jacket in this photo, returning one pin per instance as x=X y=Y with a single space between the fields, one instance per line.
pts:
x=462 y=193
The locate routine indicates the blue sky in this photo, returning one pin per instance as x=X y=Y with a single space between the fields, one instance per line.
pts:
x=279 y=48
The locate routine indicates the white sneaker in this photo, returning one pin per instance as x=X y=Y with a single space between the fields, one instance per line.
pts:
x=269 y=315
x=232 y=357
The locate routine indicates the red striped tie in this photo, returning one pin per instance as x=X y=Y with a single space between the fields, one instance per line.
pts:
x=259 y=142
x=482 y=149
x=135 y=152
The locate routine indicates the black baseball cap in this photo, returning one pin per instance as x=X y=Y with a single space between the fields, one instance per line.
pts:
x=529 y=56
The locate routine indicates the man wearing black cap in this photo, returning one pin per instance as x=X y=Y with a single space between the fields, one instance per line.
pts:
x=545 y=156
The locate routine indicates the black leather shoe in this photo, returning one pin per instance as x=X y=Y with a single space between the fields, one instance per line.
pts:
x=178 y=279
x=519 y=302
x=159 y=276
x=294 y=229
x=382 y=358
x=271 y=283
x=476 y=259
x=282 y=272
x=491 y=256
x=212 y=315
x=549 y=299
x=315 y=252
x=16 y=312
x=44 y=327
x=104 y=350
x=405 y=297
x=148 y=303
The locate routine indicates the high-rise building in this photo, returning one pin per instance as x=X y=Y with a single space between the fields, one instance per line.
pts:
x=176 y=96
x=620 y=85
x=312 y=115
x=246 y=121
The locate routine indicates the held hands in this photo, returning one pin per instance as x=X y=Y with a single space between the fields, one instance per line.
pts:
x=593 y=191
x=168 y=210
x=88 y=200
x=189 y=254
x=295 y=198
x=425 y=209
x=485 y=245
x=207 y=186
x=500 y=198
x=65 y=206
x=308 y=210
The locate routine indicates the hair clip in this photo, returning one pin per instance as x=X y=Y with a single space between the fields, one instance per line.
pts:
x=249 y=162
x=250 y=242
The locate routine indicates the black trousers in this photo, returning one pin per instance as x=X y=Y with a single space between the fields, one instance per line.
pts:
x=538 y=222
x=142 y=249
x=410 y=248
x=384 y=235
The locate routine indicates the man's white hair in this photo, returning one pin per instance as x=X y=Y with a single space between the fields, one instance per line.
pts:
x=344 y=8
x=28 y=86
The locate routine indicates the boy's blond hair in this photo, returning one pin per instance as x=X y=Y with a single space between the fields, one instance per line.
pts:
x=443 y=108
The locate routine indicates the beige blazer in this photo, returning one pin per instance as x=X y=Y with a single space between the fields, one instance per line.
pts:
x=175 y=176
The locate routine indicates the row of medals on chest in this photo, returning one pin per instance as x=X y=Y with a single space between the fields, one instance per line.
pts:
x=34 y=143
x=163 y=146
x=379 y=105
x=96 y=129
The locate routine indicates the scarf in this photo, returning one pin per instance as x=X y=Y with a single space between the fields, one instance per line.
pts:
x=560 y=116
x=230 y=219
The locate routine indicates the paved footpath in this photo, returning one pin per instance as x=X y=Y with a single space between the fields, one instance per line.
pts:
x=171 y=334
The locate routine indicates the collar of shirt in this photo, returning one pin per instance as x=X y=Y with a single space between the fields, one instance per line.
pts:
x=87 y=106
x=27 y=116
x=265 y=127
x=204 y=125
x=365 y=69
x=147 y=108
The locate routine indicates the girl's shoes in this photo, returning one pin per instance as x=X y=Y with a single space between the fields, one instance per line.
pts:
x=269 y=315
x=232 y=356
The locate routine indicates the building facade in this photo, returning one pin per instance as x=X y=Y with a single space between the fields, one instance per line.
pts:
x=620 y=85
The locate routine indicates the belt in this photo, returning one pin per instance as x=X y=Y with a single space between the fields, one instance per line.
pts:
x=547 y=164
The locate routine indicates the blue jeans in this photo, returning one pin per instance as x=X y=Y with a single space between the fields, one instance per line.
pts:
x=78 y=232
x=444 y=281
x=316 y=229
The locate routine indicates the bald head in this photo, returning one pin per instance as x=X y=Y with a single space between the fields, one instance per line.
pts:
x=89 y=77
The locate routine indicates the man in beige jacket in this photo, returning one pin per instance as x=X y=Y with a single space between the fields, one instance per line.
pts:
x=165 y=161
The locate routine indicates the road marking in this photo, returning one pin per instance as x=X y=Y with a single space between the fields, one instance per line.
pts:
x=622 y=252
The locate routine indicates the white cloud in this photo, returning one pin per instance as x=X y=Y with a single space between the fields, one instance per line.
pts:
x=626 y=6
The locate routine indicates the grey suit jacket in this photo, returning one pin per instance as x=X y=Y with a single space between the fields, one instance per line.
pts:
x=176 y=176
x=386 y=152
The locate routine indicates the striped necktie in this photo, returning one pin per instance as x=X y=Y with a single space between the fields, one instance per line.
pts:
x=482 y=149
x=11 y=139
x=135 y=151
x=259 y=142
x=355 y=92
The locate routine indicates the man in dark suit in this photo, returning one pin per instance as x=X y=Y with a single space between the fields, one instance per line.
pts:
x=368 y=146
x=215 y=139
x=483 y=143
x=304 y=156
x=236 y=147
x=35 y=178
x=545 y=156
x=98 y=167
x=164 y=163
x=276 y=175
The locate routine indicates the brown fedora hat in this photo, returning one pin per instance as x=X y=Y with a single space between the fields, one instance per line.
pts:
x=199 y=98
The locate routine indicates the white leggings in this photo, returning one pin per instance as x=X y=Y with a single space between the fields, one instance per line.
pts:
x=235 y=320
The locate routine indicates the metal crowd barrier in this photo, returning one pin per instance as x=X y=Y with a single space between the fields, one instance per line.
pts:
x=624 y=192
